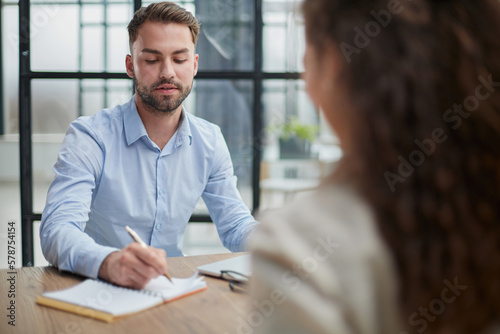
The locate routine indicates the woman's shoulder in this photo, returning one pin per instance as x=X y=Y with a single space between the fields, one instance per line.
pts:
x=324 y=250
x=332 y=209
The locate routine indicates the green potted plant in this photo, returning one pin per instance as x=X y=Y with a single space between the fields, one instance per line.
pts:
x=296 y=138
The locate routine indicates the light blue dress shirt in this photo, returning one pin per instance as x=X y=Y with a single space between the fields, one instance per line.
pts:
x=109 y=174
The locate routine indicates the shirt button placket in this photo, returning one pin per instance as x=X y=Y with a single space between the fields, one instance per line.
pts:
x=160 y=193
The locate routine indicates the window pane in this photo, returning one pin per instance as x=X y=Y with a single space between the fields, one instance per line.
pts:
x=45 y=149
x=226 y=36
x=227 y=103
x=58 y=43
x=10 y=70
x=118 y=17
x=92 y=48
x=119 y=14
x=292 y=167
x=61 y=1
x=92 y=96
x=54 y=105
x=92 y=14
x=117 y=48
x=100 y=94
x=54 y=37
x=283 y=36
x=118 y=92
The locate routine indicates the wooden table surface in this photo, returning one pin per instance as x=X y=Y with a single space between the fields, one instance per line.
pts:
x=215 y=310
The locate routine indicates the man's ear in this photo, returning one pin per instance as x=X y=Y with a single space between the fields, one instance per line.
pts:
x=195 y=64
x=129 y=65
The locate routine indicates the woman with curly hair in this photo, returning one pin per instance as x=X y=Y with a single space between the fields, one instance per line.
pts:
x=404 y=236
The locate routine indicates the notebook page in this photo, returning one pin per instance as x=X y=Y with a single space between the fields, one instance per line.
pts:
x=180 y=286
x=105 y=297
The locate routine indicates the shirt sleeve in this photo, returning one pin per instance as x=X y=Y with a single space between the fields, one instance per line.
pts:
x=231 y=216
x=63 y=240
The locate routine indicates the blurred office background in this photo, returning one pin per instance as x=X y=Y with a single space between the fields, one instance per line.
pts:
x=72 y=64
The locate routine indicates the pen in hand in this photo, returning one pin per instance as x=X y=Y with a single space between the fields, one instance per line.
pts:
x=137 y=239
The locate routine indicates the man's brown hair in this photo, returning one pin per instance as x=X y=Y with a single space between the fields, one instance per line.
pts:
x=164 y=12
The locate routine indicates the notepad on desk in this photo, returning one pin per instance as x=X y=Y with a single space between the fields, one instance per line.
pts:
x=106 y=302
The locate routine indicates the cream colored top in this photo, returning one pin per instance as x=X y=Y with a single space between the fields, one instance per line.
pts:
x=320 y=266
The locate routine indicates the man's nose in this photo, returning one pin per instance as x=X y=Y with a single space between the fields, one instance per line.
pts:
x=167 y=70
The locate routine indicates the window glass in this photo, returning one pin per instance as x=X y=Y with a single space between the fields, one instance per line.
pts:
x=92 y=14
x=226 y=41
x=54 y=105
x=45 y=149
x=228 y=103
x=92 y=59
x=119 y=14
x=298 y=148
x=54 y=37
x=10 y=70
x=45 y=2
x=283 y=101
x=98 y=94
x=90 y=36
x=117 y=48
x=283 y=36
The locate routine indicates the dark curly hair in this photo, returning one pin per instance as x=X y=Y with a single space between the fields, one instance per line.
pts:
x=424 y=81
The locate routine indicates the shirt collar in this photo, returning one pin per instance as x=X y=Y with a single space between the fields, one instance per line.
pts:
x=134 y=128
x=184 y=129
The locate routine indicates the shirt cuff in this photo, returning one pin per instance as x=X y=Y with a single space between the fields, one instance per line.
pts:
x=89 y=266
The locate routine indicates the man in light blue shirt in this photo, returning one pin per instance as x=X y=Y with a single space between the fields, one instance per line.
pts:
x=144 y=164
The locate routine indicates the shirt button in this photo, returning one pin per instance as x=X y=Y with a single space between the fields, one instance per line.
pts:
x=157 y=227
x=160 y=192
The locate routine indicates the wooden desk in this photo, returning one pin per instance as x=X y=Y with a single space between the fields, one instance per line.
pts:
x=215 y=310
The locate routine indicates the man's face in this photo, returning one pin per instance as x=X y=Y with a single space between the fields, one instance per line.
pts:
x=163 y=65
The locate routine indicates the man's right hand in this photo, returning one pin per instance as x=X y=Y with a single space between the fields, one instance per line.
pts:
x=133 y=266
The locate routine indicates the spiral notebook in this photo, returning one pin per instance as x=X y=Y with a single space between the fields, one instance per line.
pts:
x=107 y=302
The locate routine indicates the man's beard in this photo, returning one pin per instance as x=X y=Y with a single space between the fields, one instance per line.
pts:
x=161 y=103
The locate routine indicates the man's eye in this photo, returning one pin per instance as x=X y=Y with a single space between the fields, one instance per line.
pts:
x=150 y=61
x=180 y=61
